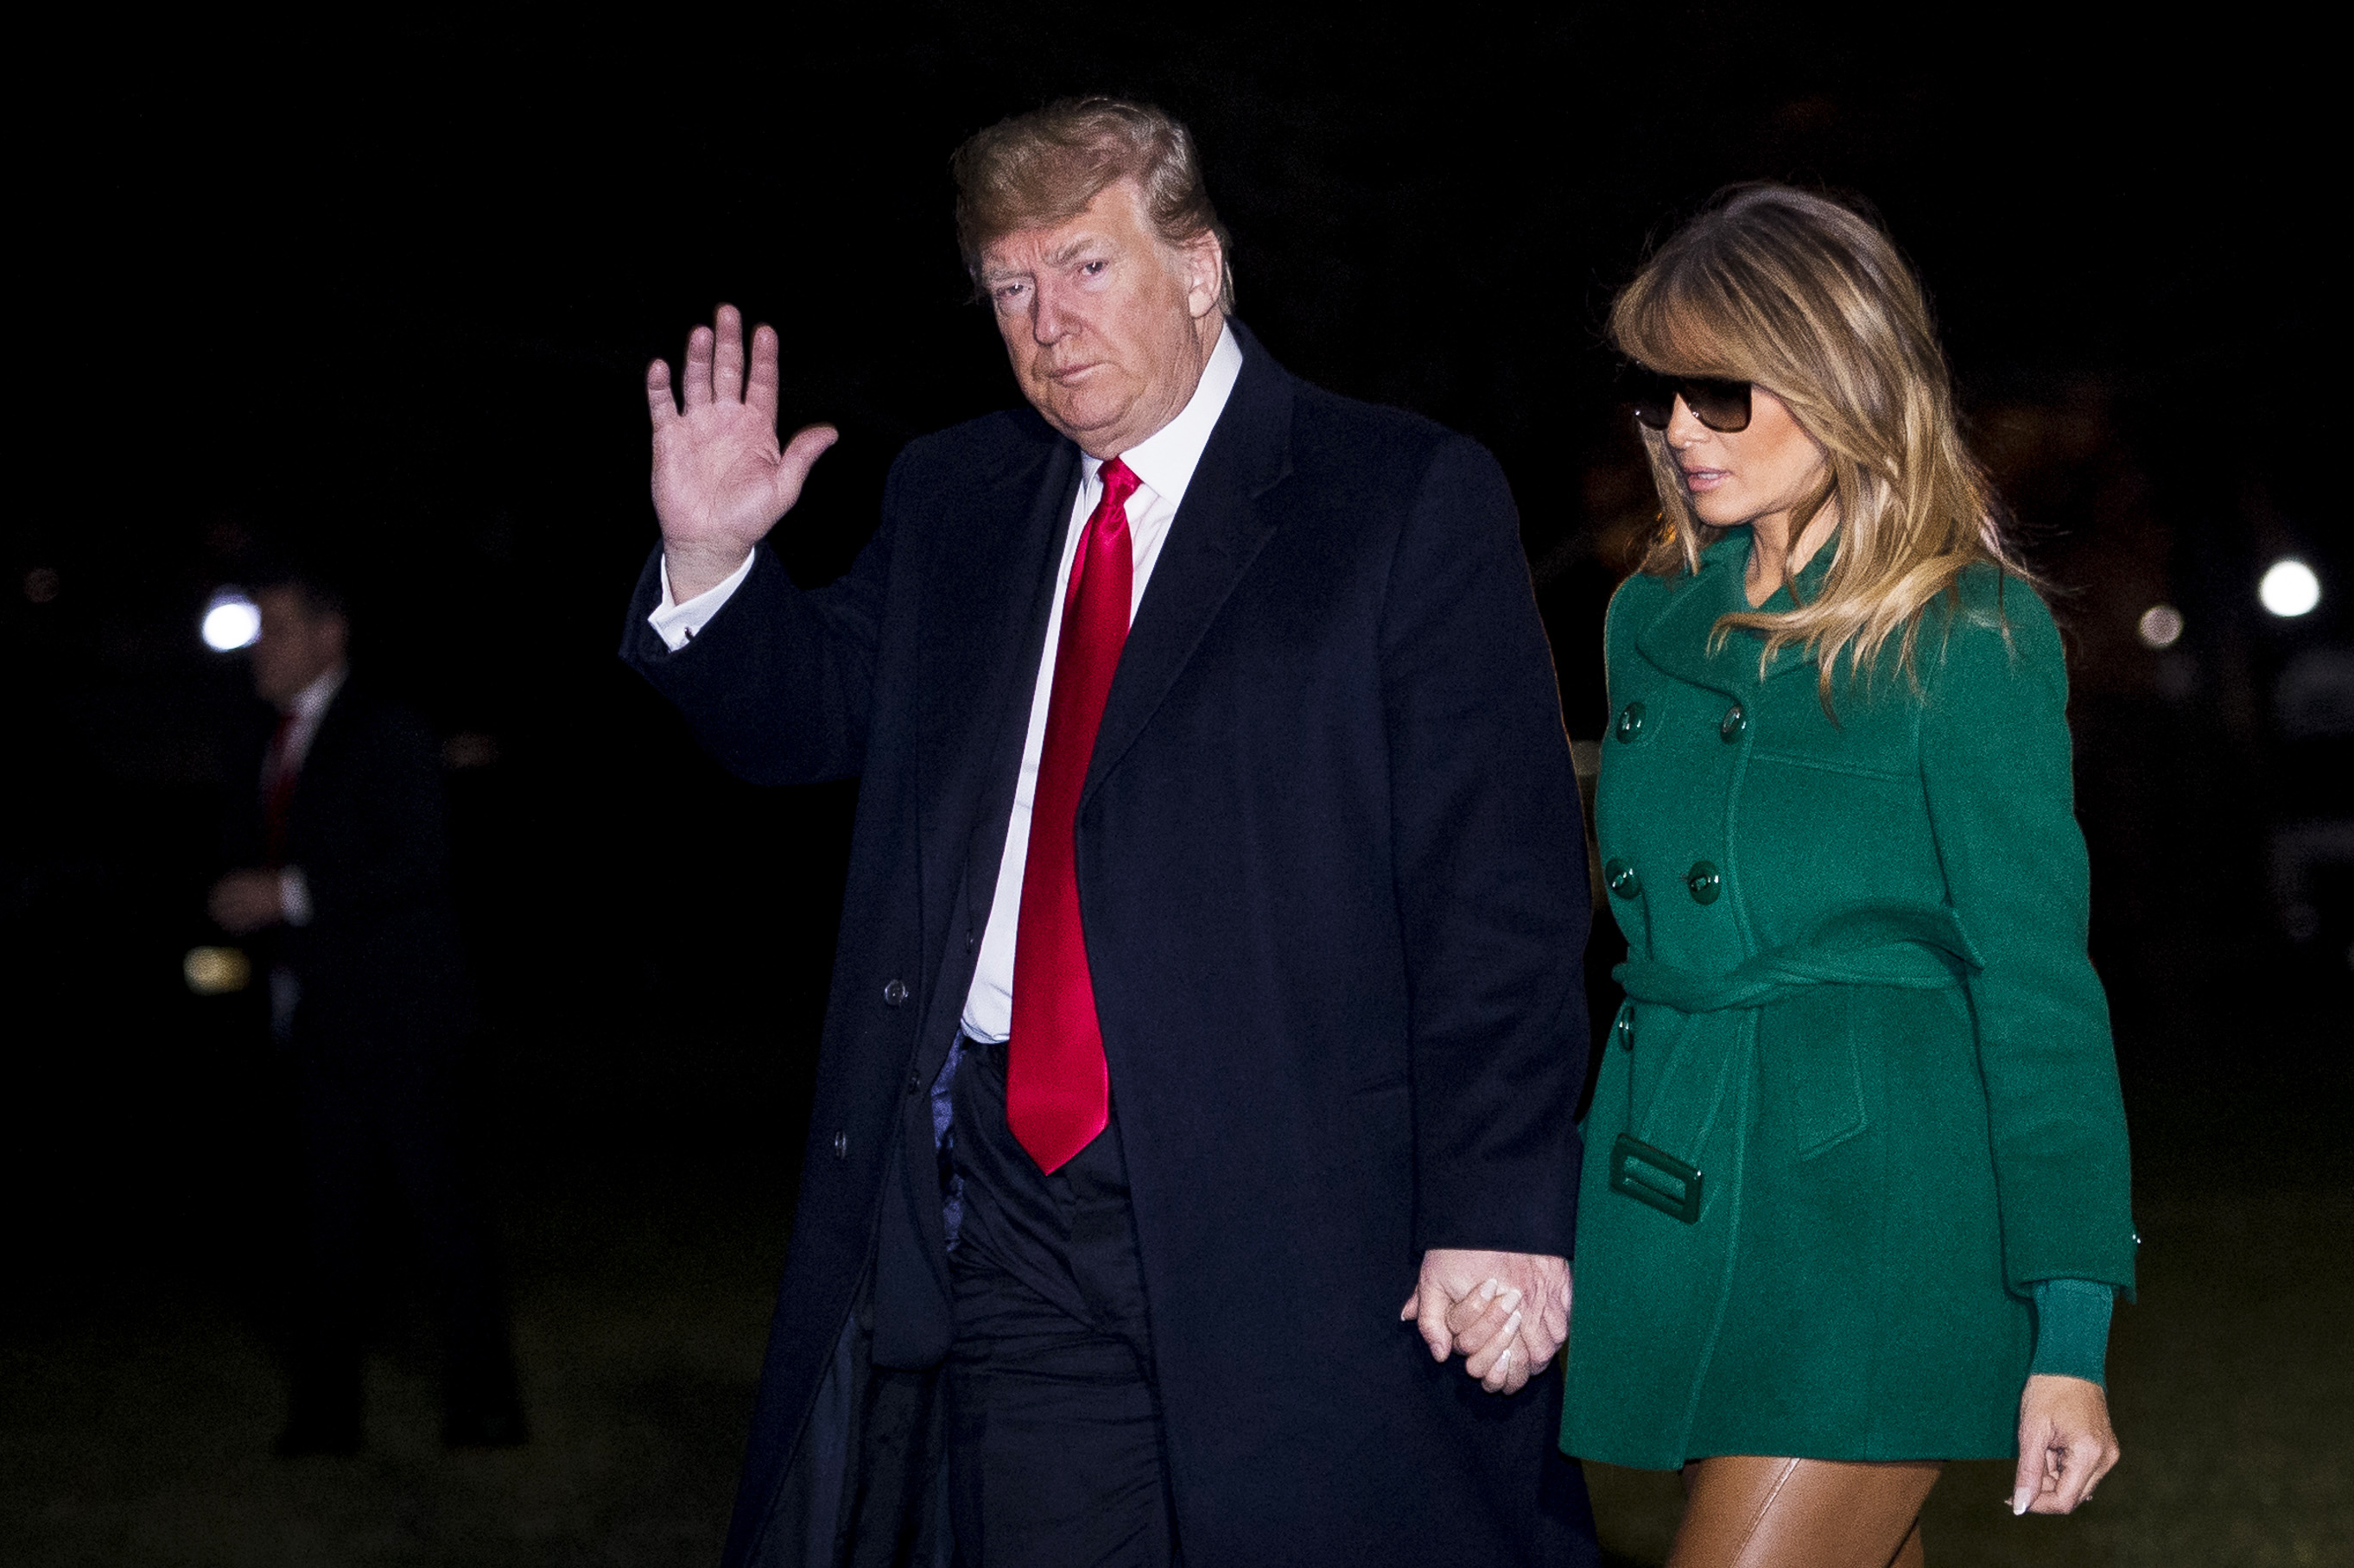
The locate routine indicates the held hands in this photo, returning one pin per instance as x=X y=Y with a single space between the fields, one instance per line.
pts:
x=720 y=482
x=2065 y=1443
x=1507 y=1312
x=243 y=902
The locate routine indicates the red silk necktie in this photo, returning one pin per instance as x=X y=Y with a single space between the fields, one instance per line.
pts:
x=1058 y=1088
x=280 y=796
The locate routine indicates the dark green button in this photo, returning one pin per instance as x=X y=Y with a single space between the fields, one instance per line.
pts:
x=1735 y=720
x=1625 y=1028
x=1621 y=878
x=1630 y=721
x=1706 y=881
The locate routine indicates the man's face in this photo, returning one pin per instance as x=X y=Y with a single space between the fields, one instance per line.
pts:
x=296 y=646
x=1108 y=325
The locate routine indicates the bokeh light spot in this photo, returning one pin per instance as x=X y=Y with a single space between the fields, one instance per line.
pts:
x=216 y=972
x=2160 y=625
x=231 y=621
x=2289 y=587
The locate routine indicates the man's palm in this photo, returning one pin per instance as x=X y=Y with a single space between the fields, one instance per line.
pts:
x=720 y=479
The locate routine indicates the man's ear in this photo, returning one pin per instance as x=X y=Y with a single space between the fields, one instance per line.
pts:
x=1206 y=275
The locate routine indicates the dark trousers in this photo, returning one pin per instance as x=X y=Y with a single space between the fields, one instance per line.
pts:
x=361 y=1125
x=1056 y=1450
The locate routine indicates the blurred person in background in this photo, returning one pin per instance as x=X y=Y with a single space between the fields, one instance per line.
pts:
x=1856 y=1189
x=344 y=885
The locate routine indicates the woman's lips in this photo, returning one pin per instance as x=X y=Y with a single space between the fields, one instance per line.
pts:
x=1699 y=480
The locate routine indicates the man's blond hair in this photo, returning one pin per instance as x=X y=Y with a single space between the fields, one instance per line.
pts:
x=1042 y=169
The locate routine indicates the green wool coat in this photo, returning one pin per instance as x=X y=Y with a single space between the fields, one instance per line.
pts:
x=1862 y=1093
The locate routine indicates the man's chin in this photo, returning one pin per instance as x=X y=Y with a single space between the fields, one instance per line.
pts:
x=1083 y=417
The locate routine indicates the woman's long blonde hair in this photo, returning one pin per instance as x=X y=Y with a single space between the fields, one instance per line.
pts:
x=1801 y=296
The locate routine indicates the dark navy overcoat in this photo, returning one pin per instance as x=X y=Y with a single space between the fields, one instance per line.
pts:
x=1332 y=880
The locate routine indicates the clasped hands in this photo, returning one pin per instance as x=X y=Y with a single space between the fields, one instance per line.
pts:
x=1506 y=1313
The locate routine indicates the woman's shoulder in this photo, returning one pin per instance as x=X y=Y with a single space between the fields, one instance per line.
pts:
x=1994 y=626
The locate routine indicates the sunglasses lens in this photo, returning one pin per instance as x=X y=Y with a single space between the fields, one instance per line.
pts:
x=1721 y=405
x=1650 y=395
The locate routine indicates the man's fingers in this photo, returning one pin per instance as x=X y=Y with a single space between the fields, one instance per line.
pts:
x=727 y=355
x=1431 y=1320
x=659 y=404
x=761 y=385
x=793 y=465
x=1477 y=1305
x=808 y=444
x=698 y=368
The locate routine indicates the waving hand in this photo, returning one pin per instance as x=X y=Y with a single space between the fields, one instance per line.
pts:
x=720 y=480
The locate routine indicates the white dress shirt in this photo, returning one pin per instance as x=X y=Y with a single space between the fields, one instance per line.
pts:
x=1163 y=464
x=308 y=707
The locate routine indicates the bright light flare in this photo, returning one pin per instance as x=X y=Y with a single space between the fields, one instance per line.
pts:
x=216 y=972
x=2160 y=625
x=231 y=621
x=2289 y=587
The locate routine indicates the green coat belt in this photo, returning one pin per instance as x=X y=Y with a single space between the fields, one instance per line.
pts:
x=1861 y=1095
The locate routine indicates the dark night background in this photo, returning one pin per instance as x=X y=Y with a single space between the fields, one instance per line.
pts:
x=385 y=298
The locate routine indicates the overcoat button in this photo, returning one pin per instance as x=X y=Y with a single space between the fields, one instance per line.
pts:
x=896 y=992
x=1735 y=720
x=1621 y=878
x=1630 y=721
x=914 y=1080
x=1625 y=1028
x=841 y=1145
x=1706 y=881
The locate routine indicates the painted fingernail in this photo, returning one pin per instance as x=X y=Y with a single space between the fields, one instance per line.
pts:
x=1512 y=1299
x=1488 y=1291
x=2020 y=1499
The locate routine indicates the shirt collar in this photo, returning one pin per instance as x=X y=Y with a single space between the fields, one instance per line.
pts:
x=312 y=700
x=1164 y=460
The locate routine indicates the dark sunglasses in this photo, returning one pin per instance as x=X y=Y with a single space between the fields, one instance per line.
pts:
x=1723 y=406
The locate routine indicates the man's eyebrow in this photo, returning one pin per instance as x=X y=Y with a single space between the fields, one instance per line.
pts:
x=1063 y=255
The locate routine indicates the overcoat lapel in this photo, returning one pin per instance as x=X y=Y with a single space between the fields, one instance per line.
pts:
x=989 y=585
x=1213 y=538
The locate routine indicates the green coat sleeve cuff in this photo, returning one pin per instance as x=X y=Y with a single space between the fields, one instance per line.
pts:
x=2072 y=1329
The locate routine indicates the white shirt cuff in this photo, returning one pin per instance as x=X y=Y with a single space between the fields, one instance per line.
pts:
x=675 y=623
x=294 y=896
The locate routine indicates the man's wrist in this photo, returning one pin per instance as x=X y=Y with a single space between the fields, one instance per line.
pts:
x=690 y=571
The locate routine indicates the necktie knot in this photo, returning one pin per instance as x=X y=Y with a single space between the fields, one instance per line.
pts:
x=1119 y=481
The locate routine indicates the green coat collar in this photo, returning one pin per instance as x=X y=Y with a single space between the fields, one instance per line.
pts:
x=1677 y=637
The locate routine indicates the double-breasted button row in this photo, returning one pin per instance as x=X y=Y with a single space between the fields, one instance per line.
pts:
x=1703 y=881
x=1730 y=728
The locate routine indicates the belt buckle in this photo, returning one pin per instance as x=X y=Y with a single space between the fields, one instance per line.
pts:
x=1655 y=1177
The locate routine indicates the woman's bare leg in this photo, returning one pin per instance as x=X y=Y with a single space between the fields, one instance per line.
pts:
x=1749 y=1511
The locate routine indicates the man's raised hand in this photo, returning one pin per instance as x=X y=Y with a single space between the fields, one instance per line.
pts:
x=720 y=480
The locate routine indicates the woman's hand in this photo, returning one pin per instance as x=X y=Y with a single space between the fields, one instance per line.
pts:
x=2065 y=1443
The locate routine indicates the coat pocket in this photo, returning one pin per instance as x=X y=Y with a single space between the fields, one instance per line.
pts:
x=1811 y=1072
